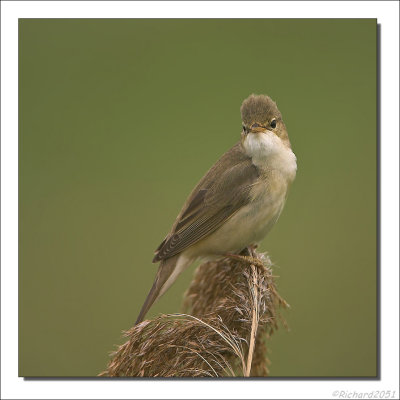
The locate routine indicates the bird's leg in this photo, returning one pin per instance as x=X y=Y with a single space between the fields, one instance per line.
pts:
x=250 y=250
x=248 y=255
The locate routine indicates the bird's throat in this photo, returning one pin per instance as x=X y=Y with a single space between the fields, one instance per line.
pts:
x=268 y=152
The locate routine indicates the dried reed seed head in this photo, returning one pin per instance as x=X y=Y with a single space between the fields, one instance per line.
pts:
x=213 y=341
x=227 y=294
x=172 y=347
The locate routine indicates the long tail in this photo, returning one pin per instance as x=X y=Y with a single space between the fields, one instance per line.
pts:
x=167 y=273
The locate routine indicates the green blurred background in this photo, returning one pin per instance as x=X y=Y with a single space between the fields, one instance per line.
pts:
x=118 y=121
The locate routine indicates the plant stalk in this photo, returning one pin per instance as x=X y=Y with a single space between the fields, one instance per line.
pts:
x=254 y=324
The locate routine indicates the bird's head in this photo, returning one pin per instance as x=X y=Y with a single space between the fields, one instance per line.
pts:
x=260 y=116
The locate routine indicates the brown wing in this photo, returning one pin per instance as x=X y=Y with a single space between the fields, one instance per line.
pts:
x=218 y=196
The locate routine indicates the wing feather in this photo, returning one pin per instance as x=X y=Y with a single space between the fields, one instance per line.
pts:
x=217 y=197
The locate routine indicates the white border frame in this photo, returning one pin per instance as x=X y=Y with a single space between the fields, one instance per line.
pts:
x=387 y=15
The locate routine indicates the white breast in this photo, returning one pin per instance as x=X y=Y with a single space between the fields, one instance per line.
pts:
x=269 y=153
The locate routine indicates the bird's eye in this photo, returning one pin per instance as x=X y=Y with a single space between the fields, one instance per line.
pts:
x=273 y=124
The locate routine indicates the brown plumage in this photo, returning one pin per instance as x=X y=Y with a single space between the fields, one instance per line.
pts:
x=259 y=109
x=222 y=191
x=246 y=188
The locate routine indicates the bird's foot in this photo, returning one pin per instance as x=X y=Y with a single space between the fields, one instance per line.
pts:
x=250 y=251
x=248 y=259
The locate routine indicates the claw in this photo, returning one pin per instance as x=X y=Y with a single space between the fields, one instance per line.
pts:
x=247 y=259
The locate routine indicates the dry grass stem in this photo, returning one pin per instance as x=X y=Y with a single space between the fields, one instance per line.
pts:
x=230 y=309
x=255 y=320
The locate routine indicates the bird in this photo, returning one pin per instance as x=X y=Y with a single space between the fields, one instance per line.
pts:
x=237 y=201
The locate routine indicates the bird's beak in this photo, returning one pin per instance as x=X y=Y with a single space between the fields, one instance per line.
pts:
x=255 y=128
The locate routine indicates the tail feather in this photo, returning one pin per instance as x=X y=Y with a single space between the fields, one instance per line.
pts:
x=150 y=299
x=167 y=273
